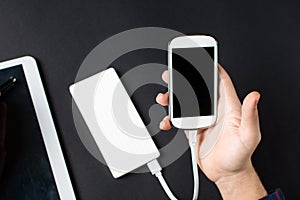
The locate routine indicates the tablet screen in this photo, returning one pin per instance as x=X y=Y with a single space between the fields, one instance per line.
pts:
x=27 y=172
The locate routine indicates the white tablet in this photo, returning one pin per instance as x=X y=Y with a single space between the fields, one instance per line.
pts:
x=34 y=165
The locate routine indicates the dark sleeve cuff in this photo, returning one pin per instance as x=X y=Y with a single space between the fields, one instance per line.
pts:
x=277 y=195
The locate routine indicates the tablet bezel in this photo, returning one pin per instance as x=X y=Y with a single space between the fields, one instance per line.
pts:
x=49 y=134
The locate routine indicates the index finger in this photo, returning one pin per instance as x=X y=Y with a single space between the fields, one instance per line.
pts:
x=230 y=93
x=165 y=76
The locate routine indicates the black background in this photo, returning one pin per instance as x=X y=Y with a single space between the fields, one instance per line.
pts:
x=258 y=46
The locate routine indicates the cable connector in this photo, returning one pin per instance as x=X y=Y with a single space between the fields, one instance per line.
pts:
x=154 y=167
x=192 y=137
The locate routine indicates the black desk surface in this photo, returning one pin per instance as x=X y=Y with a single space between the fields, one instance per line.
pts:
x=258 y=45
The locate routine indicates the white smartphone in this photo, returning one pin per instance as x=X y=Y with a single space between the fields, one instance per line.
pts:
x=193 y=77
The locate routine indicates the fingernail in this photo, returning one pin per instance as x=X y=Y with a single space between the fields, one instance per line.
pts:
x=161 y=124
x=158 y=96
x=257 y=100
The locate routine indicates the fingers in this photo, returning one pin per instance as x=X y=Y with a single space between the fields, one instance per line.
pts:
x=250 y=132
x=165 y=76
x=224 y=77
x=163 y=99
x=165 y=124
x=229 y=90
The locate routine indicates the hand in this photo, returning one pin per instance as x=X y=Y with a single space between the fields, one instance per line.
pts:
x=228 y=164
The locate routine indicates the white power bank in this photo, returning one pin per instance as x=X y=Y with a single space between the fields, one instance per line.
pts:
x=114 y=122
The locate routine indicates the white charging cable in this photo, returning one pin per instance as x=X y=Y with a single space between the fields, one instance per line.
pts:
x=155 y=168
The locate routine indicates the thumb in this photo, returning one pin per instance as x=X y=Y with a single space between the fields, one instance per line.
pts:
x=249 y=128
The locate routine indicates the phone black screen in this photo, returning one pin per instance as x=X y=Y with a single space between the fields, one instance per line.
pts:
x=193 y=81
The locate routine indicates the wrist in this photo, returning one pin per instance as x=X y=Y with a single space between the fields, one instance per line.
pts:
x=241 y=185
